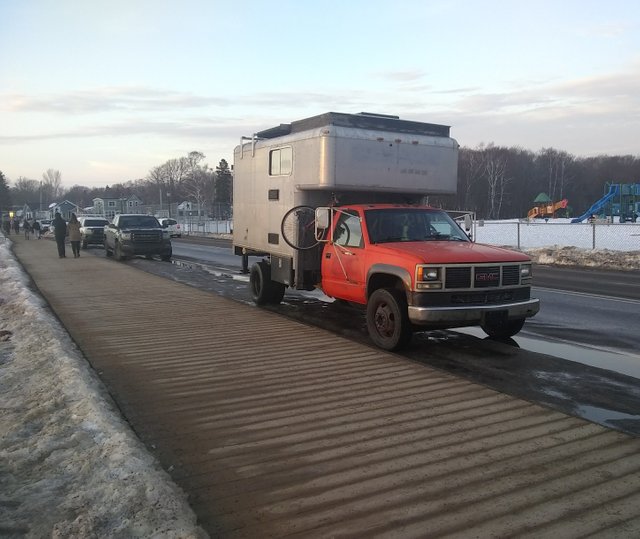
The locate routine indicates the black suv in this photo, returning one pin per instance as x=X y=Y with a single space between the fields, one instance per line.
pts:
x=92 y=230
x=134 y=234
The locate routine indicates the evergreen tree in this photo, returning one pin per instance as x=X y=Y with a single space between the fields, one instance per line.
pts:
x=5 y=194
x=224 y=183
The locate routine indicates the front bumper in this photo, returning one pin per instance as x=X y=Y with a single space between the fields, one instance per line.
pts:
x=470 y=314
x=133 y=249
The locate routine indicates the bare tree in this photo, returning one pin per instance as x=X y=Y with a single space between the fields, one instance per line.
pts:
x=25 y=191
x=199 y=186
x=556 y=165
x=175 y=171
x=52 y=183
x=470 y=171
x=497 y=180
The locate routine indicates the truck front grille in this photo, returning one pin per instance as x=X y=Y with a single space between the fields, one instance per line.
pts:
x=97 y=234
x=457 y=277
x=146 y=236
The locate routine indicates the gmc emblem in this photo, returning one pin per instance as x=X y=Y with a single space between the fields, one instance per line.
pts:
x=489 y=276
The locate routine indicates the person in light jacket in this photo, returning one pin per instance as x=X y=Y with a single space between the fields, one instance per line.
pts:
x=73 y=230
x=60 y=233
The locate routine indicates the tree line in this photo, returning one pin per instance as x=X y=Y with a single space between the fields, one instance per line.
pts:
x=499 y=182
x=496 y=182
x=177 y=180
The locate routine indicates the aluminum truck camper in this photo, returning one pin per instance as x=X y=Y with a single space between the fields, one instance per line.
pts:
x=334 y=202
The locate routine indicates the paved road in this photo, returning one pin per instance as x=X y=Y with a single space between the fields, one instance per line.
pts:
x=619 y=284
x=277 y=428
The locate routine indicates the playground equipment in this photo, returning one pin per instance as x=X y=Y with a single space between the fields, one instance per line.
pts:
x=621 y=200
x=547 y=210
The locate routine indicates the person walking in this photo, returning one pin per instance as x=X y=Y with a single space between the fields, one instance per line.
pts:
x=60 y=233
x=27 y=228
x=36 y=229
x=73 y=229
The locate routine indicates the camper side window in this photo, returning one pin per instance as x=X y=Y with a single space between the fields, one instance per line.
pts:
x=280 y=161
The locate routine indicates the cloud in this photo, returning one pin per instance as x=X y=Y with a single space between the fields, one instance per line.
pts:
x=107 y=99
x=408 y=75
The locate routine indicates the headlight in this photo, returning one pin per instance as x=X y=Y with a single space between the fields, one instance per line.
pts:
x=525 y=274
x=87 y=232
x=428 y=277
x=166 y=235
x=125 y=236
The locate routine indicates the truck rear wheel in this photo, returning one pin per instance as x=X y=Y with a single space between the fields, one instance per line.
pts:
x=503 y=329
x=264 y=291
x=387 y=319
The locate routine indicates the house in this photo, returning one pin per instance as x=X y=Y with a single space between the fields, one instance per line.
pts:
x=66 y=208
x=110 y=206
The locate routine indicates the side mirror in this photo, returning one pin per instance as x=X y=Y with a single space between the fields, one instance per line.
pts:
x=323 y=218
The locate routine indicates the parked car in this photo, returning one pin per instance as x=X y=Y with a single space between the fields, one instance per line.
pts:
x=131 y=234
x=45 y=225
x=92 y=230
x=172 y=226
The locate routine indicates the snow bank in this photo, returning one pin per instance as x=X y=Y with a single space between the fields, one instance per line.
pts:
x=594 y=258
x=71 y=466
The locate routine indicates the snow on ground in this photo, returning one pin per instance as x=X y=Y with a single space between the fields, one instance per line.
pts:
x=561 y=243
x=70 y=466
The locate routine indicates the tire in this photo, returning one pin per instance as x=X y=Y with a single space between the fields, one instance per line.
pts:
x=503 y=330
x=388 y=320
x=117 y=253
x=167 y=257
x=264 y=291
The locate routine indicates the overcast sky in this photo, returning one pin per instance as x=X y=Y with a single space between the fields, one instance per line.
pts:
x=103 y=91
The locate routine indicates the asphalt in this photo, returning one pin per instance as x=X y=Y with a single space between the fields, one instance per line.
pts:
x=275 y=428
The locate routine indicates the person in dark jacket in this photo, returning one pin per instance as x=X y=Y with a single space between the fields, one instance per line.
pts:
x=60 y=232
x=36 y=229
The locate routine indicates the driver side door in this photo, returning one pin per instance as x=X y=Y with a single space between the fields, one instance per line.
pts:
x=343 y=260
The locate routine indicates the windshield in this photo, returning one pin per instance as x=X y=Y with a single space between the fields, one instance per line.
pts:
x=142 y=221
x=412 y=224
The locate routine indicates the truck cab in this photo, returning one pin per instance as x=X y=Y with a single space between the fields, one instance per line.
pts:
x=414 y=267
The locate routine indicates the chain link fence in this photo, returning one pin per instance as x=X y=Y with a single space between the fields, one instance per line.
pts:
x=528 y=235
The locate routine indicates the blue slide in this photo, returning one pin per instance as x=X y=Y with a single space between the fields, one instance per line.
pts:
x=597 y=206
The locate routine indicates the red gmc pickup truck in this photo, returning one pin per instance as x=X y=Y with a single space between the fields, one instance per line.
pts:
x=414 y=267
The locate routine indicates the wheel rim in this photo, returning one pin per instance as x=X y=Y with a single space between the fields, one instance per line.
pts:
x=384 y=320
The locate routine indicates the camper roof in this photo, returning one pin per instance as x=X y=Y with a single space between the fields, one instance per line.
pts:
x=362 y=120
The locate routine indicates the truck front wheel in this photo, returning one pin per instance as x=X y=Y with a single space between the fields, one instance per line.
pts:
x=503 y=329
x=117 y=253
x=263 y=290
x=387 y=319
